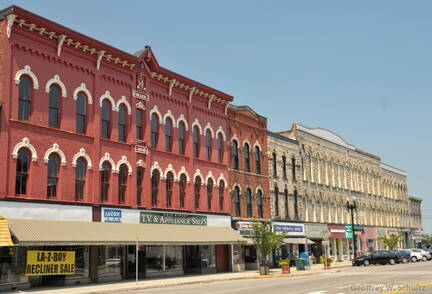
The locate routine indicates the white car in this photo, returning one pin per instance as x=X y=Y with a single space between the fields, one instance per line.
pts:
x=416 y=256
x=425 y=255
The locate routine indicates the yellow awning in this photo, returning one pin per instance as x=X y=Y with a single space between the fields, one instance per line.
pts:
x=42 y=232
x=5 y=236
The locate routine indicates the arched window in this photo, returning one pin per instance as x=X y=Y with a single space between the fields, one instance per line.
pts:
x=24 y=102
x=276 y=200
x=221 y=194
x=248 y=202
x=208 y=145
x=122 y=183
x=257 y=160
x=80 y=177
x=154 y=125
x=274 y=164
x=293 y=163
x=284 y=172
x=22 y=172
x=155 y=187
x=139 y=125
x=220 y=147
x=296 y=208
x=106 y=114
x=168 y=135
x=234 y=155
x=182 y=186
x=286 y=203
x=105 y=174
x=54 y=106
x=53 y=175
x=209 y=193
x=81 y=113
x=169 y=182
x=139 y=179
x=260 y=204
x=196 y=141
x=236 y=196
x=181 y=137
x=122 y=129
x=246 y=157
x=197 y=191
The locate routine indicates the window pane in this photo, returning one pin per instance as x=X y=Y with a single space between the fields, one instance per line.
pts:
x=154 y=130
x=106 y=113
x=139 y=124
x=24 y=98
x=54 y=106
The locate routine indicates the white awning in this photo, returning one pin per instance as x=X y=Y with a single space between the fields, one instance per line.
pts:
x=298 y=241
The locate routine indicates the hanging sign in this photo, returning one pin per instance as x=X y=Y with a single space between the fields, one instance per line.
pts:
x=5 y=236
x=172 y=218
x=46 y=263
x=348 y=232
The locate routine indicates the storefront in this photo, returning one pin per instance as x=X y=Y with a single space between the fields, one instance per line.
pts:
x=248 y=255
x=316 y=233
x=381 y=233
x=339 y=246
x=370 y=236
x=295 y=241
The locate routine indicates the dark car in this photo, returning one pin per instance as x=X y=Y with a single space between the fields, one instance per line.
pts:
x=404 y=255
x=375 y=257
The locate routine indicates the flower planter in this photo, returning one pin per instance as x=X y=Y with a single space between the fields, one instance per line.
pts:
x=285 y=269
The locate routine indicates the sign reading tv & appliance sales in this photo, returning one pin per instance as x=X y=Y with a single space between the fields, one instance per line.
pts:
x=172 y=218
x=46 y=263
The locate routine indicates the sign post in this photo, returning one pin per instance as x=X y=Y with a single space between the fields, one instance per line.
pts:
x=348 y=232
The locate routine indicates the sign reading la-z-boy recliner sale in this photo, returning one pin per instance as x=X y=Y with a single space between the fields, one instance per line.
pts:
x=45 y=263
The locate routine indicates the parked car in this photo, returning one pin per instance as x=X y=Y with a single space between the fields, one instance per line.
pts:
x=375 y=257
x=415 y=256
x=404 y=255
x=425 y=255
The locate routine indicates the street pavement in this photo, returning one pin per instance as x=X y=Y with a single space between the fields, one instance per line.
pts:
x=389 y=279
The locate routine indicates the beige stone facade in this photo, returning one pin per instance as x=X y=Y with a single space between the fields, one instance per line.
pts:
x=415 y=220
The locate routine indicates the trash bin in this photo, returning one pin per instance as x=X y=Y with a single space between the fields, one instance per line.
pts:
x=264 y=267
x=300 y=264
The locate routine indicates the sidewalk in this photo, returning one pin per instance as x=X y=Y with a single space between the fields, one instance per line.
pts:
x=128 y=285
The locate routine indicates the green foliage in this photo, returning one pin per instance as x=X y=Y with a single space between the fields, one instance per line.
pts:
x=264 y=239
x=427 y=239
x=391 y=241
x=284 y=261
x=321 y=259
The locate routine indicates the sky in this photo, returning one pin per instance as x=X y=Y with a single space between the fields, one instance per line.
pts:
x=362 y=69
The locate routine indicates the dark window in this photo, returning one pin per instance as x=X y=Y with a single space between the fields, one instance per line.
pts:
x=246 y=157
x=155 y=187
x=181 y=137
x=196 y=141
x=276 y=191
x=260 y=204
x=139 y=125
x=197 y=191
x=234 y=155
x=274 y=165
x=209 y=193
x=139 y=178
x=122 y=129
x=154 y=125
x=22 y=172
x=81 y=113
x=106 y=114
x=24 y=102
x=53 y=175
x=169 y=182
x=296 y=210
x=168 y=135
x=220 y=146
x=248 y=202
x=208 y=145
x=284 y=172
x=80 y=177
x=54 y=106
x=286 y=203
x=221 y=194
x=122 y=183
x=293 y=163
x=105 y=174
x=236 y=196
x=257 y=160
x=182 y=187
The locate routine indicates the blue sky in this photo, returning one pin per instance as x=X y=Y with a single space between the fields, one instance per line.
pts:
x=362 y=69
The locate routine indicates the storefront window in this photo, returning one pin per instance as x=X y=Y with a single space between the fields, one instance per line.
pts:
x=12 y=265
x=208 y=255
x=174 y=258
x=81 y=260
x=109 y=260
x=154 y=261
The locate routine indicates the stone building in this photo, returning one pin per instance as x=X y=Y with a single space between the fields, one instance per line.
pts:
x=414 y=231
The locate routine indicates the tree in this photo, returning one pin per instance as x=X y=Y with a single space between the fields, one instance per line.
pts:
x=391 y=242
x=427 y=239
x=265 y=240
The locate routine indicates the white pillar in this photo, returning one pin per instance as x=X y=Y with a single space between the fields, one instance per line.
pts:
x=232 y=257
x=163 y=257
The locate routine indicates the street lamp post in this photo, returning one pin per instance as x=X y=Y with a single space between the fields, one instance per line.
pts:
x=352 y=206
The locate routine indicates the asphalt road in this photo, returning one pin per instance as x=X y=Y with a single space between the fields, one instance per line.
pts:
x=371 y=279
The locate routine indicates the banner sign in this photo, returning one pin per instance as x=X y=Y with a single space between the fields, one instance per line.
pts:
x=112 y=215
x=348 y=232
x=289 y=229
x=5 y=236
x=172 y=218
x=46 y=263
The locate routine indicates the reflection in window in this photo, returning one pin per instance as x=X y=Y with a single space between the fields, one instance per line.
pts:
x=22 y=172
x=181 y=137
x=257 y=160
x=209 y=193
x=248 y=202
x=197 y=191
x=221 y=194
x=196 y=141
x=260 y=204
x=168 y=135
x=246 y=157
x=110 y=258
x=122 y=130
x=53 y=173
x=155 y=187
x=122 y=183
x=105 y=122
x=234 y=155
x=169 y=182
x=24 y=102
x=139 y=125
x=105 y=180
x=236 y=196
x=139 y=178
x=54 y=106
x=154 y=130
x=81 y=113
x=80 y=175
x=182 y=190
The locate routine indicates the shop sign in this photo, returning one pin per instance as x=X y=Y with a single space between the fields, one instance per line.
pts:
x=46 y=263
x=141 y=149
x=112 y=215
x=139 y=95
x=244 y=228
x=172 y=218
x=289 y=228
x=381 y=233
x=348 y=232
x=316 y=231
x=5 y=236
